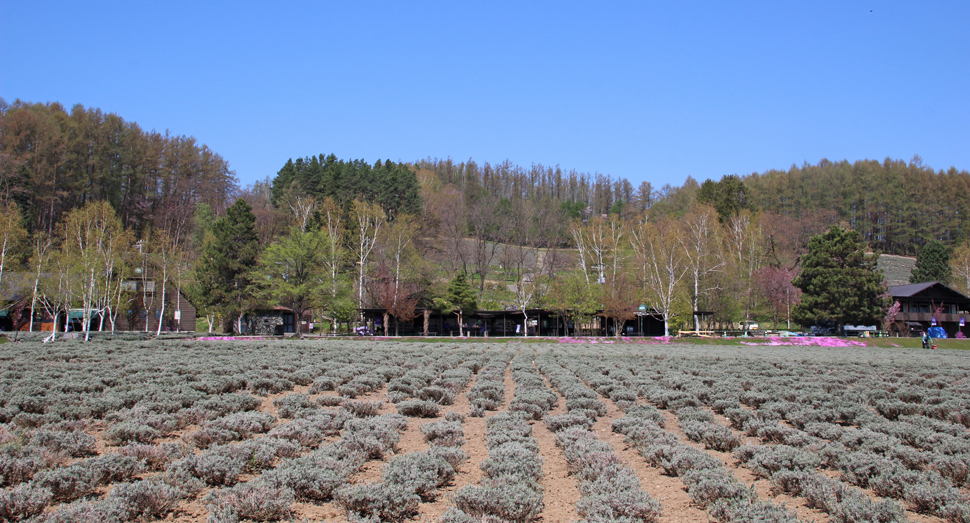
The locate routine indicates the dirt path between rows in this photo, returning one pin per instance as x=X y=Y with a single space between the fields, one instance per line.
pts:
x=468 y=472
x=671 y=492
x=744 y=475
x=371 y=471
x=561 y=489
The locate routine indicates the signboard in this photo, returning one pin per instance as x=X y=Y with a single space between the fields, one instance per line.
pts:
x=933 y=323
x=642 y=308
x=963 y=322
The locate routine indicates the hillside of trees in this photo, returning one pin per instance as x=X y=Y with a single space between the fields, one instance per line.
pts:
x=53 y=160
x=896 y=206
x=83 y=190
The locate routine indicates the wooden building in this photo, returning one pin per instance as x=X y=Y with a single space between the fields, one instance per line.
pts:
x=145 y=307
x=531 y=322
x=921 y=305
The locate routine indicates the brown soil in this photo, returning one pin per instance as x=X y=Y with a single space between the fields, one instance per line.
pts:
x=560 y=489
x=468 y=472
x=671 y=492
x=744 y=475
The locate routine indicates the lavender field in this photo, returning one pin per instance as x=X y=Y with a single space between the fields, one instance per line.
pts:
x=348 y=430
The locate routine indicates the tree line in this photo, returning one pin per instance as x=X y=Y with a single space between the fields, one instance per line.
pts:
x=688 y=256
x=896 y=206
x=330 y=236
x=53 y=161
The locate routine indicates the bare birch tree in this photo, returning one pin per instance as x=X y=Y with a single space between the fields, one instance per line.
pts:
x=701 y=243
x=369 y=221
x=657 y=249
x=55 y=289
x=302 y=208
x=93 y=235
x=744 y=241
x=333 y=257
x=167 y=257
x=597 y=243
x=41 y=252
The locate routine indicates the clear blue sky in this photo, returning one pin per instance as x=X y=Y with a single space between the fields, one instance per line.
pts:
x=650 y=91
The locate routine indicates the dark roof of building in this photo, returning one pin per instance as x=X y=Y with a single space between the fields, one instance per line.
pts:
x=905 y=291
x=908 y=291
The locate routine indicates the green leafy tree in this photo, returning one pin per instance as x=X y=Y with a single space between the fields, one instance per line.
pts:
x=840 y=282
x=227 y=261
x=200 y=292
x=291 y=272
x=202 y=221
x=573 y=298
x=460 y=298
x=617 y=207
x=932 y=264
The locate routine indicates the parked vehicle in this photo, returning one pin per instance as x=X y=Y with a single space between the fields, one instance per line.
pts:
x=825 y=328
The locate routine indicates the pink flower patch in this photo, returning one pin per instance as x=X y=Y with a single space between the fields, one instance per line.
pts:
x=808 y=342
x=226 y=338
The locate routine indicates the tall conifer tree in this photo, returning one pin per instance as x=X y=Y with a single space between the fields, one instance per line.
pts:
x=932 y=264
x=840 y=282
x=228 y=259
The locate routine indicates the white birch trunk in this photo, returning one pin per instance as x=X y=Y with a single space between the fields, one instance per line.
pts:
x=161 y=314
x=33 y=298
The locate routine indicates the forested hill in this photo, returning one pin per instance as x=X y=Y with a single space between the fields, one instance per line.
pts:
x=569 y=190
x=896 y=206
x=53 y=161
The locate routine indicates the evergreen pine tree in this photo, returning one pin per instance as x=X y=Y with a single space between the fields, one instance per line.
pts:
x=932 y=264
x=459 y=297
x=728 y=196
x=840 y=282
x=284 y=181
x=228 y=258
